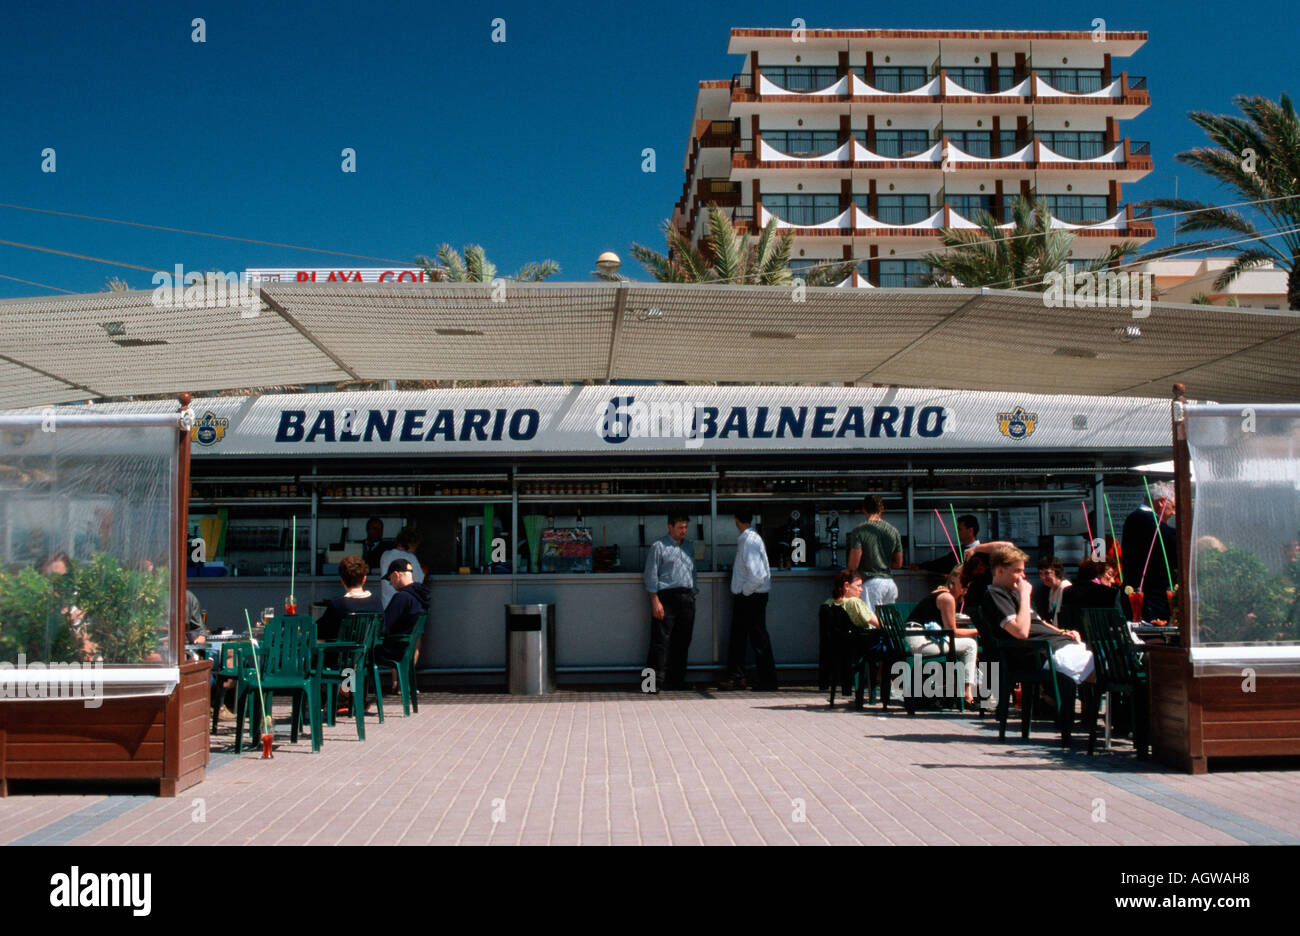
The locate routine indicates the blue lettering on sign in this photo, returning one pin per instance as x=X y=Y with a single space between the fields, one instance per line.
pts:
x=377 y=425
x=444 y=425
x=822 y=417
x=736 y=423
x=412 y=426
x=476 y=421
x=521 y=432
x=290 y=429
x=617 y=422
x=323 y=426
x=853 y=422
x=930 y=423
x=883 y=421
x=704 y=425
x=760 y=424
x=788 y=422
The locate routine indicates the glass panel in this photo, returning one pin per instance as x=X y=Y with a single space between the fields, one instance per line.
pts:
x=901 y=273
x=897 y=79
x=802 y=209
x=974 y=142
x=1245 y=561
x=86 y=520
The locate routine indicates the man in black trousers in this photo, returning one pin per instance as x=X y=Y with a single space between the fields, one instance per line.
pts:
x=751 y=580
x=670 y=580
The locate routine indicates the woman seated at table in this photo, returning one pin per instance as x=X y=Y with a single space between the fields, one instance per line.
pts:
x=354 y=600
x=1093 y=587
x=847 y=594
x=940 y=607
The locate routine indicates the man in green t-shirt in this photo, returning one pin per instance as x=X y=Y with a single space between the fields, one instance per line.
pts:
x=874 y=548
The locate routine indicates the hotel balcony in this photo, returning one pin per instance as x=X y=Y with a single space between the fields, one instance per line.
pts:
x=853 y=222
x=1128 y=161
x=1123 y=98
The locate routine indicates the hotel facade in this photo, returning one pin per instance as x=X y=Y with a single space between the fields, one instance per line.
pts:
x=866 y=143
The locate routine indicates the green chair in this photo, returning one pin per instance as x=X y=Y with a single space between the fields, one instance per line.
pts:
x=227 y=665
x=1118 y=669
x=848 y=650
x=349 y=659
x=897 y=653
x=404 y=664
x=894 y=615
x=1028 y=662
x=286 y=657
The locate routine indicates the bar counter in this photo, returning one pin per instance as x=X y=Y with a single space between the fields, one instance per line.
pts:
x=602 y=619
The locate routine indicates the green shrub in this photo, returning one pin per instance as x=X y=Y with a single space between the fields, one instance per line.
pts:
x=1239 y=599
x=126 y=609
x=30 y=619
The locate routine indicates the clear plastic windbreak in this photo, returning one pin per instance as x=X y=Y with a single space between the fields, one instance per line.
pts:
x=86 y=514
x=1245 y=560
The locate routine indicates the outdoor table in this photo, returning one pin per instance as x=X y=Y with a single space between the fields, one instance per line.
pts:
x=1153 y=632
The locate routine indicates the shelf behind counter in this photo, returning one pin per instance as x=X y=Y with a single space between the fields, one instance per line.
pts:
x=602 y=619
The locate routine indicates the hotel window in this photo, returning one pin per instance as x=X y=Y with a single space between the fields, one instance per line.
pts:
x=802 y=142
x=897 y=144
x=972 y=79
x=903 y=209
x=1072 y=80
x=898 y=273
x=1008 y=142
x=801 y=77
x=1077 y=209
x=969 y=205
x=974 y=142
x=1074 y=144
x=1006 y=79
x=798 y=208
x=899 y=78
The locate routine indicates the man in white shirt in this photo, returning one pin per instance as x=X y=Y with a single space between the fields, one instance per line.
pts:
x=751 y=580
x=404 y=547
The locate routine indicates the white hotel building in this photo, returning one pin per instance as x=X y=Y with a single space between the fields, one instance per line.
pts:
x=867 y=142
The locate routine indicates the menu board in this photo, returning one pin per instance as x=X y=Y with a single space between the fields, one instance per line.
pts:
x=566 y=549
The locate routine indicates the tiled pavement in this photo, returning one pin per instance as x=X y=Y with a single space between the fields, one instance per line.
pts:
x=680 y=768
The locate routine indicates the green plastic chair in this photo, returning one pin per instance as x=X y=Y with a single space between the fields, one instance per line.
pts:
x=286 y=658
x=1028 y=662
x=355 y=638
x=405 y=667
x=1118 y=669
x=228 y=665
x=892 y=623
x=915 y=661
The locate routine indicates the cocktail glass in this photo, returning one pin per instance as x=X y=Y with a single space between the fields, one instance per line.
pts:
x=1135 y=605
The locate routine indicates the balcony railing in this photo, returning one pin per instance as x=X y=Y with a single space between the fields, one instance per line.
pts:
x=1075 y=214
x=721 y=133
x=1139 y=148
x=903 y=214
x=1137 y=82
x=743 y=80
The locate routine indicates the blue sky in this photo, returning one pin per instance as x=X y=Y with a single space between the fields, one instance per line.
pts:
x=531 y=147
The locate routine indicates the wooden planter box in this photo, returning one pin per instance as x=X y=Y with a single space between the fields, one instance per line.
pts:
x=1194 y=718
x=163 y=738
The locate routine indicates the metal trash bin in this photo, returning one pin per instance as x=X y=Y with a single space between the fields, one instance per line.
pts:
x=530 y=649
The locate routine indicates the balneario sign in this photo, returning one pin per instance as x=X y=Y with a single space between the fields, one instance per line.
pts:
x=663 y=419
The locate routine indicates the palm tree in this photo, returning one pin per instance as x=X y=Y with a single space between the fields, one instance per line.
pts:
x=1017 y=258
x=727 y=257
x=1271 y=177
x=472 y=266
x=116 y=284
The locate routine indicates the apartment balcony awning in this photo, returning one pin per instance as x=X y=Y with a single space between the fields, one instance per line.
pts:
x=118 y=344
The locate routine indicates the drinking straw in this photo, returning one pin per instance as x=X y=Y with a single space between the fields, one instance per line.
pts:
x=1163 y=550
x=1087 y=525
x=1119 y=558
x=944 y=527
x=954 y=525
x=257 y=673
x=293 y=552
x=1159 y=520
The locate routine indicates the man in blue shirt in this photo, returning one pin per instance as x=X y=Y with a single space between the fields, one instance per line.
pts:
x=670 y=580
x=751 y=580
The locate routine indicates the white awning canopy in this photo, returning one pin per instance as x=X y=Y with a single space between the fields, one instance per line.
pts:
x=118 y=344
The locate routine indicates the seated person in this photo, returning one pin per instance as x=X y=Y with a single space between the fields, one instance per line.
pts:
x=1051 y=572
x=847 y=594
x=975 y=578
x=1007 y=604
x=354 y=600
x=1092 y=588
x=410 y=600
x=940 y=607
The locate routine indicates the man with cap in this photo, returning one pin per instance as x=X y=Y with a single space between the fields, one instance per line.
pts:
x=410 y=600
